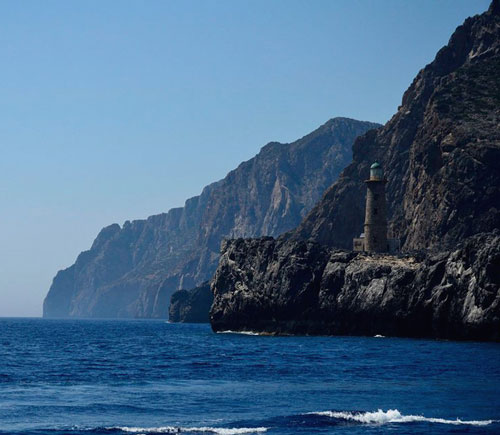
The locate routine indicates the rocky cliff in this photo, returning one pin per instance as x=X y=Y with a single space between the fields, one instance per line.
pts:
x=191 y=306
x=299 y=287
x=440 y=152
x=131 y=271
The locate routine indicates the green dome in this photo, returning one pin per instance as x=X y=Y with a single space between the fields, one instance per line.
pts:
x=375 y=165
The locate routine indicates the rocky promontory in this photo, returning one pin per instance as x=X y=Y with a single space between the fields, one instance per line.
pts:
x=440 y=153
x=191 y=306
x=300 y=287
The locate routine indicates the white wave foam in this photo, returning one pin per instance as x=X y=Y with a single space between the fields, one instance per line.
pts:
x=181 y=430
x=163 y=429
x=394 y=416
x=230 y=431
x=229 y=331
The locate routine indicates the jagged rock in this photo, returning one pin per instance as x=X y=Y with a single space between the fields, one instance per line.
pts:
x=191 y=306
x=440 y=152
x=131 y=271
x=301 y=287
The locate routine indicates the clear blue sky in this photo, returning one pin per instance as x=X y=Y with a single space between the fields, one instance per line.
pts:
x=116 y=110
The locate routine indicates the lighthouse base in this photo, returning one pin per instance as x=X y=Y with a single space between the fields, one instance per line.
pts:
x=393 y=245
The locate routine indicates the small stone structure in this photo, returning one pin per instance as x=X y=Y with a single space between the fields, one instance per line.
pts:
x=374 y=239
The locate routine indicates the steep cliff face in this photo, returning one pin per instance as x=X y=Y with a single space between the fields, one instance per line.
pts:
x=298 y=287
x=131 y=271
x=440 y=152
x=191 y=306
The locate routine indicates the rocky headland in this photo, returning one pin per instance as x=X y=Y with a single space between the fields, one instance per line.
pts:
x=132 y=270
x=441 y=154
x=302 y=287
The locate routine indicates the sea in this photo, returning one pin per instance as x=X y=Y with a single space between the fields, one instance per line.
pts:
x=149 y=377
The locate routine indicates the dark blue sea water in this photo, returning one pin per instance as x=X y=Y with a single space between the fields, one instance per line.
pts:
x=146 y=377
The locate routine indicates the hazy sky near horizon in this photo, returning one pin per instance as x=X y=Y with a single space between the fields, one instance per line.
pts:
x=117 y=110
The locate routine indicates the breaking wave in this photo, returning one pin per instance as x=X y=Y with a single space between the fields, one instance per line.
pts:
x=295 y=423
x=394 y=416
x=189 y=430
x=229 y=331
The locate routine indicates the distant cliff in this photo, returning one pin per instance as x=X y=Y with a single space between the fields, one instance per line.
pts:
x=298 y=287
x=441 y=154
x=131 y=271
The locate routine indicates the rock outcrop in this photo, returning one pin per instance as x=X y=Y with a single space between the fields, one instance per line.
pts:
x=191 y=306
x=440 y=152
x=131 y=271
x=301 y=287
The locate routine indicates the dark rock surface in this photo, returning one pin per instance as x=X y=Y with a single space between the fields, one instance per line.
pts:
x=440 y=152
x=131 y=271
x=191 y=306
x=301 y=287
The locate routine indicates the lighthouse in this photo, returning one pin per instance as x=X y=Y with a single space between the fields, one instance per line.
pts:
x=374 y=238
x=375 y=212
